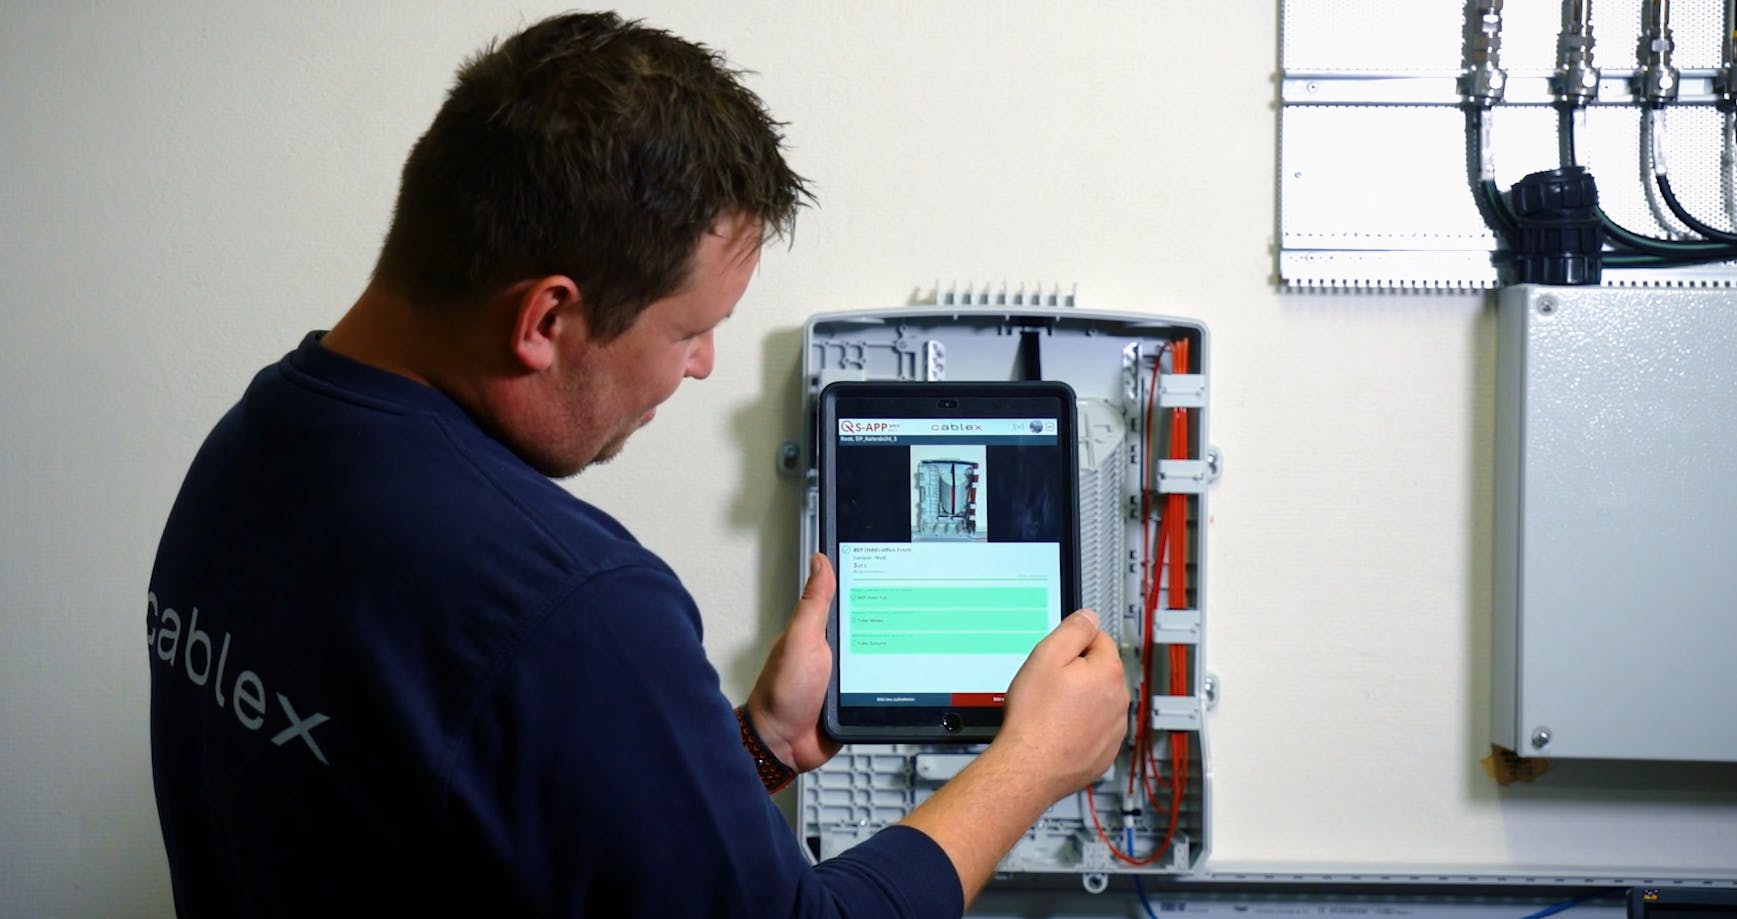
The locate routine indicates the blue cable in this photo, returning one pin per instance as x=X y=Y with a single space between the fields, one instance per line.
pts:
x=1139 y=888
x=1145 y=904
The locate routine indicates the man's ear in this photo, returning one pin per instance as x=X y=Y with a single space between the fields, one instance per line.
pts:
x=546 y=312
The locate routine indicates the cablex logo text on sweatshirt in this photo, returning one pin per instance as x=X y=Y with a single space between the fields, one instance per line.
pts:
x=206 y=663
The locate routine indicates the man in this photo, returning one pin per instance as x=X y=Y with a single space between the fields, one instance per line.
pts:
x=397 y=670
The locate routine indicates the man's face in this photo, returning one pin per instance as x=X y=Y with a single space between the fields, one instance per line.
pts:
x=608 y=391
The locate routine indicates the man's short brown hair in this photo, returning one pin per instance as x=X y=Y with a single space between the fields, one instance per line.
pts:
x=590 y=147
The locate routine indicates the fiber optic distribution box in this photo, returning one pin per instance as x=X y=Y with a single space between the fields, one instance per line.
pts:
x=1145 y=467
x=1616 y=517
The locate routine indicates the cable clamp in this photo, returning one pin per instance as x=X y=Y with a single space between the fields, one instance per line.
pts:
x=1187 y=477
x=1176 y=627
x=1175 y=713
x=1182 y=390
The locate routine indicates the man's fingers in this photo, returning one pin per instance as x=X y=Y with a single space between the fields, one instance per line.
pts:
x=1101 y=645
x=1102 y=655
x=1070 y=639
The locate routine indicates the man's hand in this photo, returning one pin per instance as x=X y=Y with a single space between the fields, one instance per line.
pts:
x=1067 y=712
x=1067 y=709
x=785 y=704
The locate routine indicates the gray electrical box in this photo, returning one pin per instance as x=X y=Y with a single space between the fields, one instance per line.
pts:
x=1615 y=580
x=1142 y=383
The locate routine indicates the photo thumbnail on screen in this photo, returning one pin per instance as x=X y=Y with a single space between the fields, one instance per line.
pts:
x=948 y=487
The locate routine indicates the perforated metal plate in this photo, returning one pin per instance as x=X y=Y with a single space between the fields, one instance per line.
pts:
x=1374 y=184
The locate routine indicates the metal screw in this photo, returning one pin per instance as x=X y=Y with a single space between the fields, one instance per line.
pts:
x=1546 y=305
x=789 y=457
x=1541 y=738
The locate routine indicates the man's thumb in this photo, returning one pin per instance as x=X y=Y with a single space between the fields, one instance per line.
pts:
x=817 y=591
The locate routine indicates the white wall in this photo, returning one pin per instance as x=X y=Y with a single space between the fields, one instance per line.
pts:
x=187 y=187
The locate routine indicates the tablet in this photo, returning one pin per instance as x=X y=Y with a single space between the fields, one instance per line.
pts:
x=951 y=514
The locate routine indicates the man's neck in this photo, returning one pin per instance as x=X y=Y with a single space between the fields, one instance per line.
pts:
x=455 y=354
x=383 y=329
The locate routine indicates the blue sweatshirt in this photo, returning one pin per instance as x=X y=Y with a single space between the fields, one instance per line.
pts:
x=397 y=671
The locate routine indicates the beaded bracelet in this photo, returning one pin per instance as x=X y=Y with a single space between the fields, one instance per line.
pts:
x=774 y=774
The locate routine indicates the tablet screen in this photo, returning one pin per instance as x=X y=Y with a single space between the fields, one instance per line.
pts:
x=950 y=512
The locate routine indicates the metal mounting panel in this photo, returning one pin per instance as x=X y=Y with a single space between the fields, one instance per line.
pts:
x=1374 y=187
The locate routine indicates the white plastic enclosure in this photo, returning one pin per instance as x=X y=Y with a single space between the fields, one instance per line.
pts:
x=1124 y=368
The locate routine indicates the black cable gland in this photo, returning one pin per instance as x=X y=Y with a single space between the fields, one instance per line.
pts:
x=1557 y=238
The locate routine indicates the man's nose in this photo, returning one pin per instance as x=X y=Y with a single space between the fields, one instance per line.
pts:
x=701 y=357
